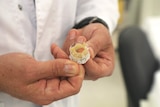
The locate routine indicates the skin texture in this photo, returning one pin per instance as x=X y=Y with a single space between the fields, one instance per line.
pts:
x=39 y=82
x=45 y=82
x=98 y=39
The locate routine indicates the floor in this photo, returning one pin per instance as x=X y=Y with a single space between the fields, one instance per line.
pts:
x=105 y=92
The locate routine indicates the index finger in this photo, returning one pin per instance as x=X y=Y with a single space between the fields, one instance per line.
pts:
x=99 y=41
x=98 y=67
x=72 y=37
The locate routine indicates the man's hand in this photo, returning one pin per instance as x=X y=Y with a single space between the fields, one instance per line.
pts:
x=40 y=82
x=101 y=48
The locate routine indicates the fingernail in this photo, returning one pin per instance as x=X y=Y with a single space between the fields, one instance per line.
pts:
x=70 y=68
x=72 y=35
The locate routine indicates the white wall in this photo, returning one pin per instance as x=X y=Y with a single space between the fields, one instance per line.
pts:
x=139 y=10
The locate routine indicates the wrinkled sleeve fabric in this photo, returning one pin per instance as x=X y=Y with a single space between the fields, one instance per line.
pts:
x=104 y=9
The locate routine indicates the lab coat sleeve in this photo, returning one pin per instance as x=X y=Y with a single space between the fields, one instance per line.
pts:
x=104 y=9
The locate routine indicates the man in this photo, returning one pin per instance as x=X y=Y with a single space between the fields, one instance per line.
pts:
x=35 y=38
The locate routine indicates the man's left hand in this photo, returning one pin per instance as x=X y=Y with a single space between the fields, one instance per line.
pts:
x=101 y=49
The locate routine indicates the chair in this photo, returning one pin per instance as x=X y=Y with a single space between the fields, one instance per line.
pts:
x=137 y=62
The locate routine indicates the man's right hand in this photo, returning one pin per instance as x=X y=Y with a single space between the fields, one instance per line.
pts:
x=40 y=82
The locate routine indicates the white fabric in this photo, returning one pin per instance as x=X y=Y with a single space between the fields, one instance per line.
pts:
x=32 y=29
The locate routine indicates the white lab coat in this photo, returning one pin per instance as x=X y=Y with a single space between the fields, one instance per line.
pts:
x=31 y=29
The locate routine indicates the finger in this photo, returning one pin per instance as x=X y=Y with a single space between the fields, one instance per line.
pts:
x=102 y=65
x=70 y=39
x=42 y=90
x=93 y=71
x=99 y=41
x=47 y=91
x=56 y=68
x=58 y=52
x=66 y=87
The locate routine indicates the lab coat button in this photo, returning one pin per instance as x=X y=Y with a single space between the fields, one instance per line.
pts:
x=20 y=7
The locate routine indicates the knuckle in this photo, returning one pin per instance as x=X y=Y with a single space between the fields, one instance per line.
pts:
x=109 y=73
x=44 y=102
x=95 y=78
x=57 y=68
x=76 y=90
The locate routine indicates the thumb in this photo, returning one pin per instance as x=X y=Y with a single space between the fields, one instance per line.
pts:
x=56 y=68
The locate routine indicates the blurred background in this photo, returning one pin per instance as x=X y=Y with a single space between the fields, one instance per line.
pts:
x=136 y=42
